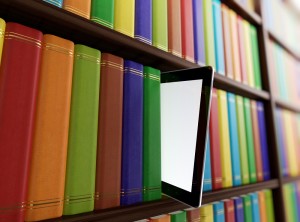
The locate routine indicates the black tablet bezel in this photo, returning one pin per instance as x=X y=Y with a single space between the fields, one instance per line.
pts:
x=207 y=74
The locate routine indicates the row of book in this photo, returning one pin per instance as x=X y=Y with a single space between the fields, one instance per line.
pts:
x=79 y=129
x=254 y=207
x=204 y=32
x=285 y=74
x=238 y=151
x=292 y=201
x=288 y=140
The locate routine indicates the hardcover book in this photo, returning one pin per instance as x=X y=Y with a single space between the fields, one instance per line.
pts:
x=58 y=3
x=178 y=216
x=132 y=138
x=219 y=212
x=192 y=214
x=102 y=12
x=255 y=57
x=247 y=208
x=81 y=8
x=255 y=207
x=242 y=50
x=262 y=206
x=160 y=24
x=207 y=213
x=143 y=21
x=83 y=132
x=151 y=136
x=248 y=53
x=207 y=184
x=19 y=75
x=229 y=210
x=161 y=218
x=2 y=31
x=124 y=16
x=239 y=209
x=109 y=151
x=49 y=151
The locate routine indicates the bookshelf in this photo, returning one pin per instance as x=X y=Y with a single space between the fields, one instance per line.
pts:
x=50 y=19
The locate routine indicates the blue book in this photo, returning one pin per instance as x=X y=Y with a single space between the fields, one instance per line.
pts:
x=58 y=3
x=263 y=140
x=255 y=207
x=219 y=215
x=143 y=21
x=281 y=144
x=199 y=46
x=234 y=140
x=238 y=209
x=218 y=37
x=207 y=185
x=132 y=141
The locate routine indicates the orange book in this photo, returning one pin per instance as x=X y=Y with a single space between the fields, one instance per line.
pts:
x=79 y=7
x=49 y=151
x=161 y=218
x=262 y=206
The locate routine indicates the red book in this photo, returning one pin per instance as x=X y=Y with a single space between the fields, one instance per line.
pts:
x=174 y=27
x=229 y=210
x=19 y=75
x=242 y=50
x=193 y=215
x=187 y=30
x=108 y=176
x=215 y=155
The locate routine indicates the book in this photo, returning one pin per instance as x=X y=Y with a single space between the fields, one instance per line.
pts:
x=192 y=214
x=228 y=55
x=58 y=3
x=161 y=218
x=102 y=12
x=262 y=206
x=249 y=139
x=81 y=8
x=255 y=207
x=187 y=30
x=247 y=208
x=108 y=172
x=132 y=138
x=280 y=70
x=256 y=138
x=160 y=24
x=198 y=20
x=143 y=21
x=19 y=75
x=207 y=183
x=234 y=140
x=229 y=210
x=290 y=202
x=242 y=50
x=50 y=144
x=124 y=16
x=219 y=211
x=263 y=140
x=224 y=139
x=207 y=213
x=209 y=33
x=242 y=140
x=2 y=32
x=151 y=136
x=83 y=132
x=218 y=40
x=215 y=153
x=248 y=53
x=178 y=216
x=174 y=27
x=239 y=209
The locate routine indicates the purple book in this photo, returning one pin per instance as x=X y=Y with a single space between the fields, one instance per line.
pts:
x=132 y=141
x=143 y=21
x=238 y=209
x=199 y=46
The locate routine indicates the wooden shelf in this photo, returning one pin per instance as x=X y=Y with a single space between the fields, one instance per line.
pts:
x=166 y=205
x=286 y=180
x=287 y=105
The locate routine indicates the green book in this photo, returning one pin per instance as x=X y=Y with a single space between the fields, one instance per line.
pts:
x=178 y=216
x=152 y=139
x=209 y=33
x=102 y=12
x=247 y=208
x=160 y=24
x=250 y=141
x=269 y=205
x=242 y=139
x=255 y=57
x=83 y=132
x=290 y=202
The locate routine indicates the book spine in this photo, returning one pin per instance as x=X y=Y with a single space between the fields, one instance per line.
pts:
x=242 y=51
x=207 y=184
x=249 y=139
x=83 y=132
x=218 y=40
x=19 y=76
x=193 y=215
x=174 y=27
x=219 y=212
x=2 y=32
x=179 y=216
x=108 y=172
x=207 y=213
x=234 y=140
x=247 y=208
x=58 y=3
x=281 y=70
x=132 y=143
x=143 y=21
x=248 y=53
x=187 y=34
x=269 y=205
x=215 y=152
x=124 y=16
x=229 y=210
x=160 y=24
x=262 y=206
x=239 y=209
x=151 y=136
x=49 y=151
x=255 y=207
x=198 y=19
x=224 y=139
x=81 y=8
x=102 y=12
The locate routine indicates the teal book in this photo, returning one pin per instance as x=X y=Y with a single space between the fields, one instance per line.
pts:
x=255 y=207
x=207 y=182
x=57 y=3
x=281 y=72
x=219 y=215
x=160 y=24
x=102 y=12
x=247 y=209
x=83 y=132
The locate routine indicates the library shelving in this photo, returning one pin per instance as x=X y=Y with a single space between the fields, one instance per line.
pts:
x=50 y=19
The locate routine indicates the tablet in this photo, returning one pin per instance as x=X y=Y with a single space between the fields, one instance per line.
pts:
x=185 y=109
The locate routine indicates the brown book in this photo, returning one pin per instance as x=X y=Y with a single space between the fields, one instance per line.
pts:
x=108 y=176
x=193 y=214
x=161 y=218
x=79 y=7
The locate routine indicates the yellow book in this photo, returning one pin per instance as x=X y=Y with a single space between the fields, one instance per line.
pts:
x=2 y=31
x=207 y=213
x=251 y=5
x=224 y=139
x=249 y=60
x=124 y=17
